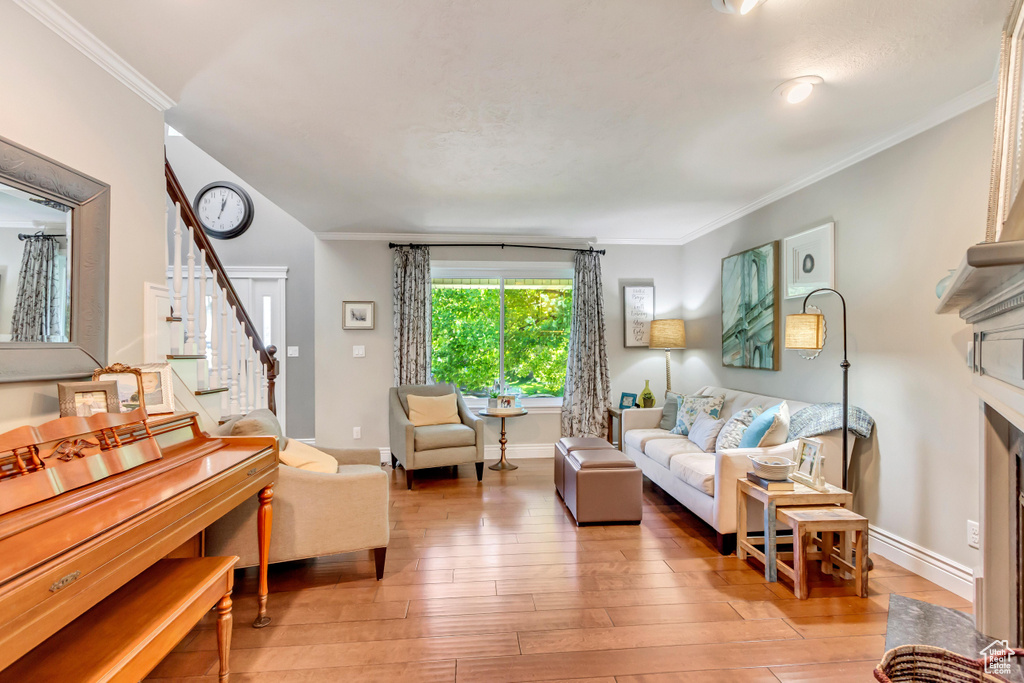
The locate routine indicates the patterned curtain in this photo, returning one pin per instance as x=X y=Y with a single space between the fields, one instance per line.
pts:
x=587 y=388
x=36 y=315
x=411 y=282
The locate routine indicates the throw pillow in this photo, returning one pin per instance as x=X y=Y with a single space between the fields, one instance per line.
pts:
x=305 y=457
x=733 y=430
x=770 y=428
x=260 y=422
x=691 y=406
x=433 y=410
x=704 y=431
x=670 y=411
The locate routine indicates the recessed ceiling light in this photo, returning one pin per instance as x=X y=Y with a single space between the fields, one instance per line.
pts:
x=797 y=90
x=736 y=6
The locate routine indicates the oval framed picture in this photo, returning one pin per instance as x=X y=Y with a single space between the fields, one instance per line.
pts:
x=357 y=315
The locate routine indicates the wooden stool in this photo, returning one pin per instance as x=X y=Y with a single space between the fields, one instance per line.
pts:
x=807 y=523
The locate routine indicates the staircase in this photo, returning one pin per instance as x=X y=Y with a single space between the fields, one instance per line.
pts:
x=222 y=368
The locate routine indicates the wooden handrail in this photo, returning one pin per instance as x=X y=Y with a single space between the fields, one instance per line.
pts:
x=188 y=216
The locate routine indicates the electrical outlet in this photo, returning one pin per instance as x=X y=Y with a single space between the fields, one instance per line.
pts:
x=973 y=534
x=359 y=352
x=357 y=432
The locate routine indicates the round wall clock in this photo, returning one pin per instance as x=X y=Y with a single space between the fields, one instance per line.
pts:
x=224 y=209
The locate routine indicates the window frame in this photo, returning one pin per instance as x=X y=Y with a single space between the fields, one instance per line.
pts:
x=502 y=270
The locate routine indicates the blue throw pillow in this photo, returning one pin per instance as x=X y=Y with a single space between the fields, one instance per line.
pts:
x=759 y=427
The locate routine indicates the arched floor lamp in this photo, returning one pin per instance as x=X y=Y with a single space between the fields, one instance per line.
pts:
x=806 y=331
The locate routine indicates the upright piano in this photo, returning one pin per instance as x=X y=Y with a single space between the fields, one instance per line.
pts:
x=87 y=504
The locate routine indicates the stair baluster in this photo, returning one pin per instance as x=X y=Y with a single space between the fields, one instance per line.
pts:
x=233 y=366
x=204 y=370
x=251 y=378
x=176 y=283
x=243 y=389
x=190 y=298
x=225 y=359
x=214 y=368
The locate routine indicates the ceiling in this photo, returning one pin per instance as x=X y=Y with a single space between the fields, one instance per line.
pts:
x=616 y=119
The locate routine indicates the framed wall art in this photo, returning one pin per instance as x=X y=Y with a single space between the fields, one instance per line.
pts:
x=637 y=314
x=810 y=260
x=357 y=315
x=157 y=388
x=750 y=308
x=1006 y=202
x=85 y=399
x=130 y=393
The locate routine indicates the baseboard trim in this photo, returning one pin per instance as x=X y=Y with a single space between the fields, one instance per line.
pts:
x=940 y=570
x=385 y=455
x=308 y=442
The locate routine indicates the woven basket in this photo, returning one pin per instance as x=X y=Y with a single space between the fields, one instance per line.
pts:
x=925 y=664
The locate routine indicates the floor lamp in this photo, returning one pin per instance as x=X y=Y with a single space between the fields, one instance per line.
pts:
x=668 y=335
x=806 y=331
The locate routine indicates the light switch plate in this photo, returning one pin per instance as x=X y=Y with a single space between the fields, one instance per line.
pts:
x=359 y=352
x=293 y=351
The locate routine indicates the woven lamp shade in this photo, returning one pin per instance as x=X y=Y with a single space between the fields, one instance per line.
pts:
x=805 y=331
x=667 y=334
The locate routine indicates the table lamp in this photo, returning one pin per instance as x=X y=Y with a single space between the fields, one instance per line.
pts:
x=667 y=335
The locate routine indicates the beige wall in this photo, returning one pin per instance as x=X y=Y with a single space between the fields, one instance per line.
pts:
x=60 y=104
x=903 y=218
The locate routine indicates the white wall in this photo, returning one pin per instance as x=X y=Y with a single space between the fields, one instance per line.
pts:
x=903 y=218
x=62 y=105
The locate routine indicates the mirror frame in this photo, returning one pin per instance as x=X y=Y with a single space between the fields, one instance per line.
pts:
x=89 y=200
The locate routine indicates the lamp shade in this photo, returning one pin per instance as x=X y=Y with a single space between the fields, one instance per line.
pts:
x=805 y=331
x=667 y=334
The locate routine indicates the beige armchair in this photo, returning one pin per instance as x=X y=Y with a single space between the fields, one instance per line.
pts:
x=417 y=448
x=315 y=513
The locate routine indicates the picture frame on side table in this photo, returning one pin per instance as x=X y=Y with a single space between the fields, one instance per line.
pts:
x=357 y=315
x=130 y=392
x=810 y=260
x=627 y=401
x=157 y=388
x=637 y=314
x=85 y=399
x=810 y=464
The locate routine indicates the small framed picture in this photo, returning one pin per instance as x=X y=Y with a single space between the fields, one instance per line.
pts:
x=157 y=388
x=807 y=452
x=357 y=315
x=130 y=393
x=627 y=401
x=85 y=399
x=506 y=401
x=810 y=260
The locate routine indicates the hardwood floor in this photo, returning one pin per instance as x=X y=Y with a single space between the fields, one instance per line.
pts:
x=494 y=582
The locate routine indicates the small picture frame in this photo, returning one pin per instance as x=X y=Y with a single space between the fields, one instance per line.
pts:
x=357 y=315
x=506 y=401
x=85 y=399
x=806 y=453
x=130 y=392
x=627 y=401
x=157 y=388
x=810 y=260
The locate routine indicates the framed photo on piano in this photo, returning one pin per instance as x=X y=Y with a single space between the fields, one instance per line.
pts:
x=130 y=393
x=85 y=399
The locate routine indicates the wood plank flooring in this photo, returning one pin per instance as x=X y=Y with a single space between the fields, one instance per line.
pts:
x=494 y=582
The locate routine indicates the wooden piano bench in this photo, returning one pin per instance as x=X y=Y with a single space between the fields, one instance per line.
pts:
x=126 y=635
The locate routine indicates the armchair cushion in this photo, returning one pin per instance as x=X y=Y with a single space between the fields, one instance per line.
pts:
x=305 y=457
x=432 y=437
x=260 y=422
x=433 y=410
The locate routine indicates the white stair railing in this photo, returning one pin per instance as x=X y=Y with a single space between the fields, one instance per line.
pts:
x=176 y=331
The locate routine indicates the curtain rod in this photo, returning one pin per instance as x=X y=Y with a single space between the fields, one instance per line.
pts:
x=38 y=235
x=392 y=245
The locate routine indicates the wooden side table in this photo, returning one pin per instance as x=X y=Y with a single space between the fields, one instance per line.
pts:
x=771 y=500
x=503 y=463
x=830 y=521
x=614 y=414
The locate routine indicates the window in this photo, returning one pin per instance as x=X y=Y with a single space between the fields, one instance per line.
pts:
x=512 y=325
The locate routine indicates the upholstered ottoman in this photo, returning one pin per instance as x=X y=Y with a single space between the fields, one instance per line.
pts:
x=568 y=444
x=602 y=486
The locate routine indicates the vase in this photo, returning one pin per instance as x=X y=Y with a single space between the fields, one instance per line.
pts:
x=943 y=284
x=647 y=396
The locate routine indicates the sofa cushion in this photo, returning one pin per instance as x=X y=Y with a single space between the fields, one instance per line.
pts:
x=639 y=438
x=260 y=422
x=697 y=470
x=770 y=428
x=671 y=410
x=305 y=457
x=662 y=451
x=733 y=430
x=433 y=410
x=704 y=431
x=422 y=390
x=432 y=437
x=692 y=406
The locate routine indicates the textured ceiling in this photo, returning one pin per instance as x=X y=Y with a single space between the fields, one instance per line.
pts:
x=615 y=119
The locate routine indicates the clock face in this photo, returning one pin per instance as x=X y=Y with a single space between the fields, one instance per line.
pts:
x=224 y=209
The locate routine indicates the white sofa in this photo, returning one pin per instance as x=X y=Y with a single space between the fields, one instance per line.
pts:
x=706 y=482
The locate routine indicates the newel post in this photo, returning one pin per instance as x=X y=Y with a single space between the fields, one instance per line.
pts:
x=271 y=378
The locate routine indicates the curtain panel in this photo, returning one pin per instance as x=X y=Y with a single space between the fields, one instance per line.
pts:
x=36 y=318
x=587 y=387
x=411 y=284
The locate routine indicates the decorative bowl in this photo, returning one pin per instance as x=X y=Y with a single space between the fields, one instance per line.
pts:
x=772 y=467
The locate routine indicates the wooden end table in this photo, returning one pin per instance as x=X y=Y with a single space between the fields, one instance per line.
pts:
x=771 y=500
x=503 y=463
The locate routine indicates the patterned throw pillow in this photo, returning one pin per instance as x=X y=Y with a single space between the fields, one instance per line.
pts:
x=691 y=406
x=733 y=430
x=770 y=428
x=704 y=431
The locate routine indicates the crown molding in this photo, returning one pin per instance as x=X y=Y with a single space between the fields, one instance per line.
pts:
x=434 y=238
x=65 y=26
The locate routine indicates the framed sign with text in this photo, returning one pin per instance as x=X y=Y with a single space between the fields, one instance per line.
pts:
x=637 y=314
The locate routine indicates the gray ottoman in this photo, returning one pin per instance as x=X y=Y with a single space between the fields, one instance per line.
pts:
x=603 y=486
x=568 y=444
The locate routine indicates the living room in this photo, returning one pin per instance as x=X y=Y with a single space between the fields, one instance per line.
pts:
x=577 y=128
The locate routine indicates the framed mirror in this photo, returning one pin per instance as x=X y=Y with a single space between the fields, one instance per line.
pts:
x=54 y=245
x=1006 y=201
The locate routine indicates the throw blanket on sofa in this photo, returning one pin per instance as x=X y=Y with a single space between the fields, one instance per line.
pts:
x=821 y=418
